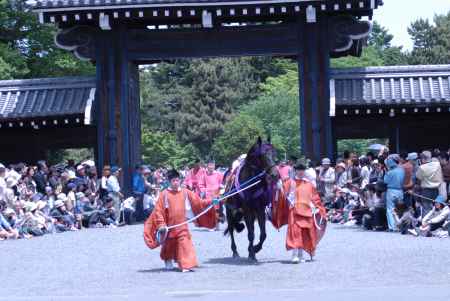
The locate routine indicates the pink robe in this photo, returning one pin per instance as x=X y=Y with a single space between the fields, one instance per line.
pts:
x=284 y=171
x=195 y=180
x=213 y=182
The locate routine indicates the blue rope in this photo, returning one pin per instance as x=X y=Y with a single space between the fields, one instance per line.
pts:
x=246 y=183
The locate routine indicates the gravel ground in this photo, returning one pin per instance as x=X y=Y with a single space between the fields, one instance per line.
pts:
x=115 y=264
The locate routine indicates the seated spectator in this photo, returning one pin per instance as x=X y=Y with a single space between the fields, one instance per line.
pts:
x=64 y=220
x=375 y=219
x=108 y=212
x=6 y=230
x=404 y=218
x=127 y=211
x=33 y=223
x=436 y=218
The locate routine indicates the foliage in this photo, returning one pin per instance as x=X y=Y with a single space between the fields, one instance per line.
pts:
x=238 y=136
x=431 y=41
x=162 y=149
x=27 y=48
x=370 y=57
x=358 y=146
x=63 y=155
x=195 y=98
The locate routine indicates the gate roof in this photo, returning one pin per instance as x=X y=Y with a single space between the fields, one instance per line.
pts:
x=48 y=101
x=393 y=89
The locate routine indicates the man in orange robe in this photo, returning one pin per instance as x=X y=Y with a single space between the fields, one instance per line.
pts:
x=173 y=207
x=298 y=205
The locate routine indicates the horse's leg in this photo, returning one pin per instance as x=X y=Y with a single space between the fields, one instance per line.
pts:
x=262 y=229
x=230 y=230
x=250 y=223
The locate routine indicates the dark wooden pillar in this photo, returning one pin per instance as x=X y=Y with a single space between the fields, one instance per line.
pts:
x=118 y=118
x=394 y=137
x=314 y=73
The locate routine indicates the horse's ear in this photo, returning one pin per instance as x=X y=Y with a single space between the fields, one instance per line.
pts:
x=259 y=141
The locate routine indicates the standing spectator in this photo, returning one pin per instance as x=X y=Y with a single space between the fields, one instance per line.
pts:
x=2 y=181
x=354 y=173
x=113 y=186
x=93 y=181
x=394 y=179
x=54 y=179
x=81 y=177
x=430 y=176
x=28 y=180
x=138 y=191
x=310 y=173
x=106 y=173
x=408 y=184
x=327 y=179
x=377 y=172
x=341 y=175
x=445 y=165
x=40 y=177
x=365 y=172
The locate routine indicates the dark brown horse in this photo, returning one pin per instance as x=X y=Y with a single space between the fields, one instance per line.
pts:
x=251 y=204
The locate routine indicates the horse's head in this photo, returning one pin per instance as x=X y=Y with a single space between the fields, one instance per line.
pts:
x=262 y=156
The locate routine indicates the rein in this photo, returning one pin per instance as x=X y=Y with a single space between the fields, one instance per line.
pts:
x=161 y=234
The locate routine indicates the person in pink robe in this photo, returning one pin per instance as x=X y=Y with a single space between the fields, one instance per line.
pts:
x=195 y=179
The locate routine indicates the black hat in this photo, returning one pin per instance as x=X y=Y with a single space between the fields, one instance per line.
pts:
x=293 y=158
x=299 y=166
x=172 y=174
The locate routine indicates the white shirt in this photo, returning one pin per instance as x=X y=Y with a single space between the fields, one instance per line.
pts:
x=113 y=184
x=311 y=175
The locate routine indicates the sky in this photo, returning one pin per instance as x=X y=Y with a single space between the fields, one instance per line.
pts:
x=397 y=15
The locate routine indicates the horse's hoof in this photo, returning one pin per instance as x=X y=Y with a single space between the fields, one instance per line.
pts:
x=252 y=259
x=236 y=256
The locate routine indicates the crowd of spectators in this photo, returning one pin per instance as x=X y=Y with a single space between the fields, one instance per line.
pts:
x=380 y=191
x=38 y=200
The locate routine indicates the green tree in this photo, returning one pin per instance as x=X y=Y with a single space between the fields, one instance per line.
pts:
x=431 y=41
x=238 y=136
x=370 y=57
x=28 y=47
x=162 y=149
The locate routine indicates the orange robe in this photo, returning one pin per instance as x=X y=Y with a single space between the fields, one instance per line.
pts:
x=301 y=232
x=178 y=245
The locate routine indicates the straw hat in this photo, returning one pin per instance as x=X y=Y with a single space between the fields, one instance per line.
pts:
x=62 y=197
x=11 y=182
x=30 y=206
x=59 y=203
x=9 y=212
x=41 y=205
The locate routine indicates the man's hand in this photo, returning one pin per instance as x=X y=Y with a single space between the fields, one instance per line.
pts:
x=161 y=235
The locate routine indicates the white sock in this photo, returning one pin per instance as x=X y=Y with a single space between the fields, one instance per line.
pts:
x=168 y=264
